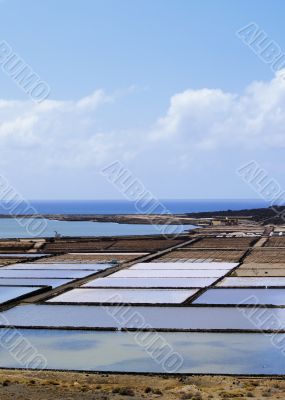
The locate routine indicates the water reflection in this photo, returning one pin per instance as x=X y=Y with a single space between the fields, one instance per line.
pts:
x=202 y=352
x=10 y=228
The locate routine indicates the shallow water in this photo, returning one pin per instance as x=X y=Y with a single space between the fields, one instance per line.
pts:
x=244 y=296
x=118 y=317
x=29 y=227
x=131 y=352
x=58 y=267
x=33 y=282
x=151 y=282
x=184 y=265
x=39 y=274
x=169 y=273
x=129 y=296
x=9 y=293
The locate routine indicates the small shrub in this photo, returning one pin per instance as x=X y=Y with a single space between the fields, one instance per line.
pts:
x=186 y=396
x=157 y=391
x=124 y=391
x=266 y=394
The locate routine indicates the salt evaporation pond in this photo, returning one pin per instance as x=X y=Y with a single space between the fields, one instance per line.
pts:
x=207 y=353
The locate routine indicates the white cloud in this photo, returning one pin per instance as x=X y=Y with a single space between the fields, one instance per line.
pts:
x=212 y=119
x=93 y=101
x=60 y=133
x=67 y=134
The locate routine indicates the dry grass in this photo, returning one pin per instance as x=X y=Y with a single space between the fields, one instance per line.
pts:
x=59 y=385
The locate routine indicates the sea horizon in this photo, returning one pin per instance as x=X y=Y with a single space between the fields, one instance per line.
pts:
x=119 y=206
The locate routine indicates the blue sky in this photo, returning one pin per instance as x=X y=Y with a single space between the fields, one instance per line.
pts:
x=142 y=82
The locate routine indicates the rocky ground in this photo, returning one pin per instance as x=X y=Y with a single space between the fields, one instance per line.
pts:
x=29 y=385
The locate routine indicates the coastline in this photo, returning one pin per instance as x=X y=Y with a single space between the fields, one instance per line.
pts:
x=263 y=216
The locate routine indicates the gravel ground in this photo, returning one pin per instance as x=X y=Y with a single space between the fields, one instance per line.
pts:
x=26 y=385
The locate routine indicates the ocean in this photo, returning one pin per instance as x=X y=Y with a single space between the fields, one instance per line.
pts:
x=128 y=207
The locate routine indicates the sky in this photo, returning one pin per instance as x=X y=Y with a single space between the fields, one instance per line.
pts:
x=166 y=88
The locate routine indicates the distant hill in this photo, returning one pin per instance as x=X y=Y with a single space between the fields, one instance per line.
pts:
x=270 y=215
